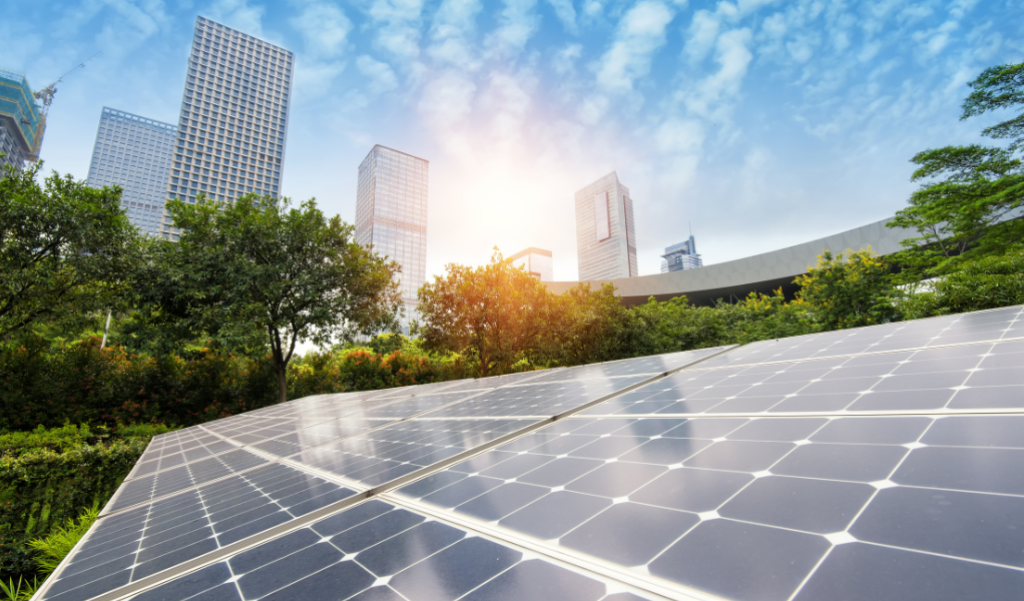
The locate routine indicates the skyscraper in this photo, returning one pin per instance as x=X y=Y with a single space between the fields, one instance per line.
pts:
x=605 y=235
x=234 y=118
x=681 y=256
x=391 y=215
x=135 y=153
x=536 y=262
x=21 y=123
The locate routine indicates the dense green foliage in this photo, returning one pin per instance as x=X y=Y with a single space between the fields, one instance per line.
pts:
x=65 y=249
x=260 y=264
x=970 y=197
x=48 y=481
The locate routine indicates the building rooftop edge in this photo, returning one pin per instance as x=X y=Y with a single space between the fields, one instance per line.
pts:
x=173 y=126
x=198 y=17
x=376 y=146
x=533 y=250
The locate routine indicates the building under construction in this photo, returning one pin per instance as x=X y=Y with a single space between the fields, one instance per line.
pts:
x=21 y=121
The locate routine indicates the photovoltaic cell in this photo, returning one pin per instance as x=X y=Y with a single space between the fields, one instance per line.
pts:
x=147 y=488
x=970 y=377
x=131 y=545
x=377 y=551
x=383 y=455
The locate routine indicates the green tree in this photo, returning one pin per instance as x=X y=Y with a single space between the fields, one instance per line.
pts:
x=582 y=326
x=261 y=265
x=66 y=249
x=496 y=313
x=847 y=293
x=969 y=195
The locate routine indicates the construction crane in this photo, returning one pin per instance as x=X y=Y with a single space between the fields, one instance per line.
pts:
x=45 y=95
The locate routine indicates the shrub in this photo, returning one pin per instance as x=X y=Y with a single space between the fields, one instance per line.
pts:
x=985 y=283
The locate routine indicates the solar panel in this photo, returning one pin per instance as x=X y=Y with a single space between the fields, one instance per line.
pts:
x=377 y=551
x=875 y=463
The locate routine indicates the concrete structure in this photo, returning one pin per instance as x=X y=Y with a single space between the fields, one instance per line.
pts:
x=391 y=215
x=536 y=262
x=681 y=256
x=234 y=118
x=21 y=122
x=135 y=153
x=760 y=273
x=605 y=235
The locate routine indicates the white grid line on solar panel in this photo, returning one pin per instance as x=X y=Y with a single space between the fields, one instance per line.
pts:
x=273 y=449
x=966 y=378
x=405 y=447
x=144 y=541
x=184 y=450
x=991 y=325
x=662 y=495
x=148 y=488
x=497 y=381
x=637 y=366
x=536 y=400
x=380 y=551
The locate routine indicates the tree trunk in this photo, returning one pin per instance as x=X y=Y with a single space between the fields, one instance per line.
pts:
x=282 y=382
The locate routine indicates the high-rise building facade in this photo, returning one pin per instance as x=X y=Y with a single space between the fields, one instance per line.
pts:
x=234 y=118
x=391 y=215
x=605 y=234
x=536 y=262
x=135 y=153
x=681 y=256
x=21 y=122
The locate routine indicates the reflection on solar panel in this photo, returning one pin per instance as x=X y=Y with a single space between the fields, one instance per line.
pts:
x=877 y=463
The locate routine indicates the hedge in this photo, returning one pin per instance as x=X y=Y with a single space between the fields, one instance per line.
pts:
x=45 y=481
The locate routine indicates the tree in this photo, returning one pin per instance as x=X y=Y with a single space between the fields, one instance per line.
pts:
x=66 y=249
x=970 y=196
x=259 y=264
x=496 y=312
x=857 y=291
x=582 y=325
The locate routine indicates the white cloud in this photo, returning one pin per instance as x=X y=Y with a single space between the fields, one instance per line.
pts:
x=713 y=95
x=382 y=77
x=452 y=34
x=700 y=37
x=566 y=13
x=516 y=25
x=397 y=23
x=565 y=59
x=324 y=28
x=237 y=14
x=640 y=33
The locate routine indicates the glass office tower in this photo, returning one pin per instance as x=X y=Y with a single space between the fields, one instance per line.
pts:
x=391 y=215
x=679 y=257
x=234 y=118
x=135 y=153
x=605 y=236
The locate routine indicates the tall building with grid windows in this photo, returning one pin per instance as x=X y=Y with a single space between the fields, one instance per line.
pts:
x=234 y=118
x=391 y=215
x=605 y=234
x=135 y=153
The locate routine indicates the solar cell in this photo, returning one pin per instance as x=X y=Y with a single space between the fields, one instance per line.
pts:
x=131 y=545
x=966 y=378
x=377 y=551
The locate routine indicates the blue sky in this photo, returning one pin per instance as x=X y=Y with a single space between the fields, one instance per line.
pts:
x=763 y=124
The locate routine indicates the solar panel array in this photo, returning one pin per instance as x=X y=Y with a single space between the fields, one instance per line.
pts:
x=875 y=463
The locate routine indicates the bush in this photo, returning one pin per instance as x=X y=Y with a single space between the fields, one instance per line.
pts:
x=41 y=487
x=985 y=283
x=48 y=385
